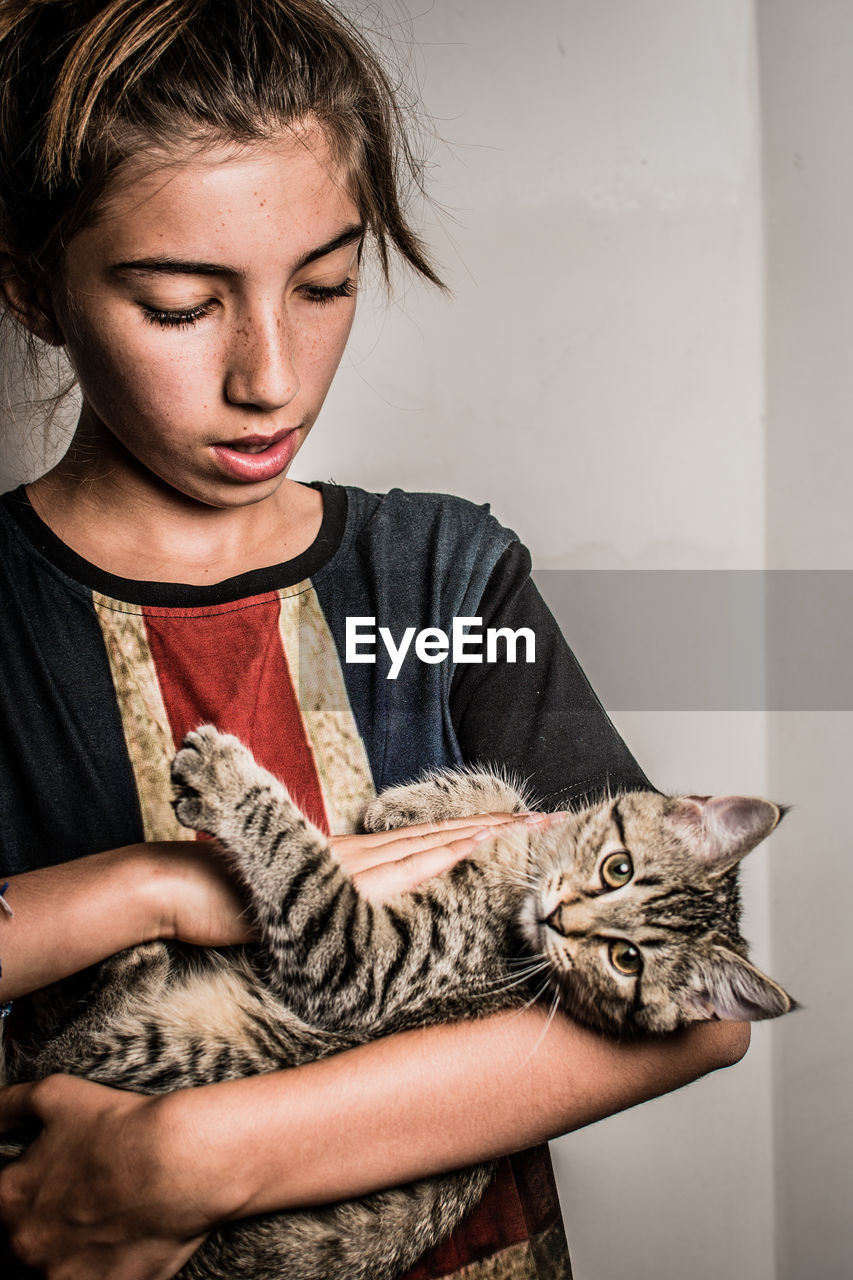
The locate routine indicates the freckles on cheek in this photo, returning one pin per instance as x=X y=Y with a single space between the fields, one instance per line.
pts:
x=160 y=388
x=323 y=350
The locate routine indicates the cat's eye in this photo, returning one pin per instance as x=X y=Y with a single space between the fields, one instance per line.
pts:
x=625 y=958
x=617 y=869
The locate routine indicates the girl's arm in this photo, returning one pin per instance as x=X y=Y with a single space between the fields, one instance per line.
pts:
x=70 y=916
x=430 y=1100
x=123 y=1187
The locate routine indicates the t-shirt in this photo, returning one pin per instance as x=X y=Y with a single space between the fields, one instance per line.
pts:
x=408 y=636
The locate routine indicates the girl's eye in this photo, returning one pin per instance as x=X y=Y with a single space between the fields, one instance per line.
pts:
x=617 y=869
x=177 y=319
x=625 y=958
x=321 y=293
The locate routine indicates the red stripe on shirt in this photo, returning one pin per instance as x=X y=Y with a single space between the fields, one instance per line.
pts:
x=226 y=666
x=520 y=1203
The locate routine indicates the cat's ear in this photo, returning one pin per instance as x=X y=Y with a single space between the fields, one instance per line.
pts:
x=722 y=829
x=727 y=986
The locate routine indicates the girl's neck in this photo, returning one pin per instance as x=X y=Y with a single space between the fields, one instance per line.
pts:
x=150 y=532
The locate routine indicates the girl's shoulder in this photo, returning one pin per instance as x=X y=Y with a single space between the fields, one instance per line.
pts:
x=442 y=526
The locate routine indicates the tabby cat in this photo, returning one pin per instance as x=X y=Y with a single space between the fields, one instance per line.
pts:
x=626 y=914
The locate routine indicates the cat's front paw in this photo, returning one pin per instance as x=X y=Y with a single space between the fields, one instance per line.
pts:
x=210 y=774
x=451 y=793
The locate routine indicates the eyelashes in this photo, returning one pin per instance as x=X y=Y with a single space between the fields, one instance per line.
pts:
x=318 y=294
x=177 y=319
x=321 y=293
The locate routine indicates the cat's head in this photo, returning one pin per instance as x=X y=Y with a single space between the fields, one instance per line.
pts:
x=636 y=908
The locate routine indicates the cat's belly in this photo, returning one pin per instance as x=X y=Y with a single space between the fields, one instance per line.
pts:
x=161 y=1021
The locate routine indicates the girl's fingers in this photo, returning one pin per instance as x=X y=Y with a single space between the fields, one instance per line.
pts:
x=361 y=853
x=378 y=839
x=400 y=865
x=388 y=879
x=99 y=1194
x=548 y=819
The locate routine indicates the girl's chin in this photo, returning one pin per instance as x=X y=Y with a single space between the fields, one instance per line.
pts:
x=206 y=486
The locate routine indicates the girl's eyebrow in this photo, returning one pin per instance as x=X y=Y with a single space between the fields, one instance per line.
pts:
x=180 y=267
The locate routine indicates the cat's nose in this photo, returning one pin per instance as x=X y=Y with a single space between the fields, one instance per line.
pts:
x=558 y=920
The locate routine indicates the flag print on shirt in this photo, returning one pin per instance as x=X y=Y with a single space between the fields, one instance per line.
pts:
x=265 y=669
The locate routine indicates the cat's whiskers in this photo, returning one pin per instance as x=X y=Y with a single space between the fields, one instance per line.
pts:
x=531 y=964
x=501 y=984
x=527 y=963
x=558 y=957
x=520 y=876
x=534 y=999
x=552 y=1012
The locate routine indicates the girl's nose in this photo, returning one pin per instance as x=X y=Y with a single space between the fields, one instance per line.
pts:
x=261 y=370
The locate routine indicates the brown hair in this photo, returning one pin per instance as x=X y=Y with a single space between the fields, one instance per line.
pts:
x=85 y=84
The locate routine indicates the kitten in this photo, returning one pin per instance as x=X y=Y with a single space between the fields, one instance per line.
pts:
x=625 y=914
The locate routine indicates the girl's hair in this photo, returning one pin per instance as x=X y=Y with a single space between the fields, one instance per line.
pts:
x=86 y=84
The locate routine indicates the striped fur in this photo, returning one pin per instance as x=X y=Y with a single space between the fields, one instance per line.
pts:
x=534 y=915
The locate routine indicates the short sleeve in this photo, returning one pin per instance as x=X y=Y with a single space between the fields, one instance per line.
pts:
x=540 y=719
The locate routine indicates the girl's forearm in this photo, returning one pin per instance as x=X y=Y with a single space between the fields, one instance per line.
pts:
x=70 y=916
x=419 y=1103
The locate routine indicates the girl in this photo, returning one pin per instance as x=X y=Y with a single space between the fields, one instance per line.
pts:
x=190 y=190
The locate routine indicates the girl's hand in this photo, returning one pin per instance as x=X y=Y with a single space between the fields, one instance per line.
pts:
x=207 y=908
x=105 y=1191
x=202 y=904
x=386 y=863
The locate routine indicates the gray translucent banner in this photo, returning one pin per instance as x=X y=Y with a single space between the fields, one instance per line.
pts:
x=709 y=640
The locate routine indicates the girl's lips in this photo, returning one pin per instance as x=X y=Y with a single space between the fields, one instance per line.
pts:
x=265 y=465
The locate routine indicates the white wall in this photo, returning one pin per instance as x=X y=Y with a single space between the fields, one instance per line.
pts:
x=600 y=175
x=806 y=55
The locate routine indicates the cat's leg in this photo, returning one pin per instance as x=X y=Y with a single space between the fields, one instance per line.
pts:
x=306 y=907
x=85 y=1043
x=447 y=794
x=341 y=962
x=64 y=1044
x=375 y=1238
x=126 y=978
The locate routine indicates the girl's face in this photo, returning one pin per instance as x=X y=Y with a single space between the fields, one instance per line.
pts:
x=205 y=314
